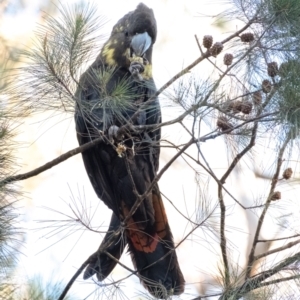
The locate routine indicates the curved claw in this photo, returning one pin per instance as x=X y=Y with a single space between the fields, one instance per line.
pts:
x=113 y=133
x=136 y=68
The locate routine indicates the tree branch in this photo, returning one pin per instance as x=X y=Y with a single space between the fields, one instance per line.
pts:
x=256 y=282
x=288 y=245
x=51 y=163
x=268 y=201
x=279 y=239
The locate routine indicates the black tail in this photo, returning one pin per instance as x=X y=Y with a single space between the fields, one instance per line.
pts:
x=159 y=271
x=103 y=265
x=152 y=251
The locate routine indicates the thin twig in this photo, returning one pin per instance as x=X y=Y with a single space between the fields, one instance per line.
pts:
x=279 y=249
x=199 y=45
x=268 y=201
x=223 y=241
x=155 y=180
x=279 y=280
x=256 y=282
x=77 y=273
x=279 y=239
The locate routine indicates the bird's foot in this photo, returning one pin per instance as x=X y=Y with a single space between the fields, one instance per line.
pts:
x=136 y=68
x=114 y=134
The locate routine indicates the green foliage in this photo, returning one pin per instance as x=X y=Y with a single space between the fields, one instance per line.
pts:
x=63 y=46
x=113 y=96
x=289 y=91
x=286 y=15
x=33 y=289
x=10 y=234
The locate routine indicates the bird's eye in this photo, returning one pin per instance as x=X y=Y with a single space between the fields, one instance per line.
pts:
x=126 y=33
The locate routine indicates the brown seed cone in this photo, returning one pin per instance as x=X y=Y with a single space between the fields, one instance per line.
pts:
x=266 y=86
x=207 y=41
x=287 y=174
x=272 y=69
x=246 y=107
x=247 y=37
x=228 y=57
x=216 y=49
x=223 y=123
x=237 y=106
x=257 y=98
x=276 y=196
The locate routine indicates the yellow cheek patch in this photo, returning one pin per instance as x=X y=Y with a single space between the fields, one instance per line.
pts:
x=108 y=54
x=147 y=74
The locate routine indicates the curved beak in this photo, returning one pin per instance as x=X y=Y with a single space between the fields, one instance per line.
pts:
x=140 y=43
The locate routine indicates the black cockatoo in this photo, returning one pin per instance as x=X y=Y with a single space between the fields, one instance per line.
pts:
x=111 y=95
